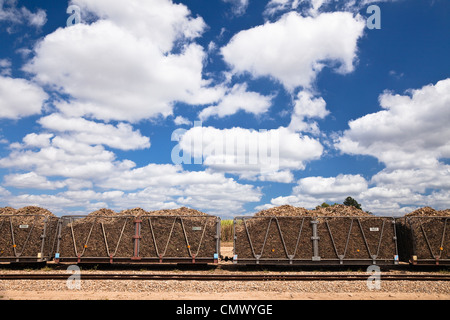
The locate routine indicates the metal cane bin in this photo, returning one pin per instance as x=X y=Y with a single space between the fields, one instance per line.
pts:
x=138 y=239
x=425 y=240
x=315 y=240
x=179 y=239
x=272 y=240
x=358 y=240
x=95 y=239
x=27 y=238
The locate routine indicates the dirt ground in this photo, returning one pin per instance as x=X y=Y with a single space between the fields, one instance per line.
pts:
x=249 y=295
x=204 y=290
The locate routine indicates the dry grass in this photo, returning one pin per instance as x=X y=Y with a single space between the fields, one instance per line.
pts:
x=226 y=232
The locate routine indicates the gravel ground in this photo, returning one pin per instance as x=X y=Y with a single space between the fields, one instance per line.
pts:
x=173 y=289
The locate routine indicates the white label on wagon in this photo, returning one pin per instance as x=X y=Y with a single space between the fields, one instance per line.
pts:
x=197 y=228
x=374 y=229
x=23 y=226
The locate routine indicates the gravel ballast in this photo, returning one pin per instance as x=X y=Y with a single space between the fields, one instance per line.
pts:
x=174 y=289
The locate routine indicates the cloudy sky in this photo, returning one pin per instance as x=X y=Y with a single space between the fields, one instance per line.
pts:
x=225 y=106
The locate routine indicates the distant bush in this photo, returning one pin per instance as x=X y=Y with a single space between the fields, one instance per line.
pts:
x=349 y=201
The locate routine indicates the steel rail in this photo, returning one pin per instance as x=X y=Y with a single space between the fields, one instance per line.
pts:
x=225 y=277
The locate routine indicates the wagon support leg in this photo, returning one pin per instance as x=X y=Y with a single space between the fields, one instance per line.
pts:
x=137 y=238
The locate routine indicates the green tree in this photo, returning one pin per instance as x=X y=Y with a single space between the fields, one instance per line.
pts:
x=326 y=205
x=349 y=201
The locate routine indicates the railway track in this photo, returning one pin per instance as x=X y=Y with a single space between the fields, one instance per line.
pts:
x=227 y=277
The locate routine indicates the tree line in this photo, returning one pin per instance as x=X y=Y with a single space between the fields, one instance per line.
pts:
x=349 y=201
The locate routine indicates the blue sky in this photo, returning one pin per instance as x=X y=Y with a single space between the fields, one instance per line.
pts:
x=294 y=102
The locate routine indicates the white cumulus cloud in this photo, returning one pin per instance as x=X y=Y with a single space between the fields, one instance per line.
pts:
x=127 y=65
x=410 y=132
x=235 y=99
x=294 y=49
x=121 y=137
x=268 y=155
x=20 y=98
